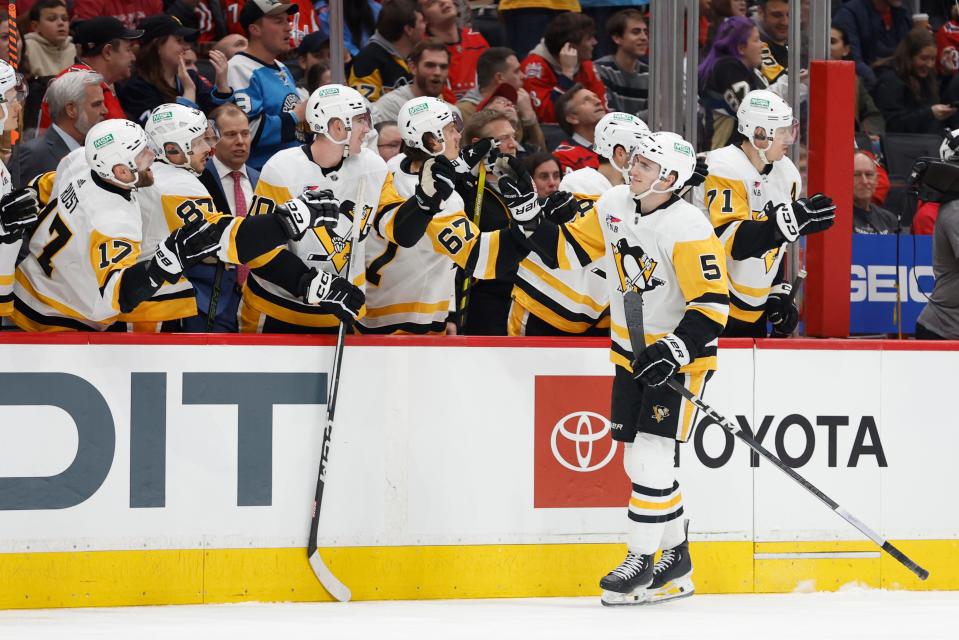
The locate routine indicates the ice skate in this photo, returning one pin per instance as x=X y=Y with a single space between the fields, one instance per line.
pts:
x=672 y=575
x=627 y=583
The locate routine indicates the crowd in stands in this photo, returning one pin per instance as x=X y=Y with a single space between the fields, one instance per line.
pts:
x=535 y=76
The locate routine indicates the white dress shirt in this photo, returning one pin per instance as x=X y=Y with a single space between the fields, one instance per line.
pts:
x=226 y=180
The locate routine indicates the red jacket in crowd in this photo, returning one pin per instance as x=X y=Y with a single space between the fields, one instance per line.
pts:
x=110 y=101
x=129 y=12
x=572 y=156
x=545 y=83
x=304 y=20
x=463 y=58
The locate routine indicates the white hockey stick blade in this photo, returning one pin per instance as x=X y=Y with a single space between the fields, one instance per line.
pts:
x=330 y=582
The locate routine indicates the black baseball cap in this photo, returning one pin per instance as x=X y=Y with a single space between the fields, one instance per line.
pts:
x=253 y=10
x=312 y=43
x=95 y=32
x=162 y=25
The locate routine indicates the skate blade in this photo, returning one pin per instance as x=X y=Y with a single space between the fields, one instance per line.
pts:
x=614 y=599
x=672 y=590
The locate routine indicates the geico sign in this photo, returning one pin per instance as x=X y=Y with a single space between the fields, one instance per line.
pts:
x=588 y=432
x=253 y=394
x=865 y=444
x=877 y=283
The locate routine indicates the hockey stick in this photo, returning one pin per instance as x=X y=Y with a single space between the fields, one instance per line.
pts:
x=330 y=582
x=214 y=297
x=633 y=302
x=797 y=282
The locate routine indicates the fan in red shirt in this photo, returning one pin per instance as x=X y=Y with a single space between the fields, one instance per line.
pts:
x=561 y=60
x=104 y=45
x=129 y=12
x=464 y=45
x=578 y=110
x=304 y=20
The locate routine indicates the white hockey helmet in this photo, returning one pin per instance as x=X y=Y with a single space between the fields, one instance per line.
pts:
x=618 y=128
x=335 y=101
x=949 y=149
x=9 y=79
x=420 y=116
x=114 y=142
x=178 y=124
x=763 y=116
x=671 y=153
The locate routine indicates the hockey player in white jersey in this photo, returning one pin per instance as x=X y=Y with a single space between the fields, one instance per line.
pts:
x=18 y=209
x=649 y=240
x=751 y=196
x=82 y=269
x=556 y=302
x=182 y=137
x=334 y=161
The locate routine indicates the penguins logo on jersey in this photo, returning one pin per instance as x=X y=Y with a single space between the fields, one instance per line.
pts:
x=635 y=268
x=660 y=413
x=770 y=258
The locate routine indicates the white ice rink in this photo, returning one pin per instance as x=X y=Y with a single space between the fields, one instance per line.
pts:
x=855 y=613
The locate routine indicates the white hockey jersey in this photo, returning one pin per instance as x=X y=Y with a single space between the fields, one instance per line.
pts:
x=359 y=182
x=8 y=253
x=734 y=192
x=409 y=290
x=671 y=254
x=571 y=301
x=70 y=280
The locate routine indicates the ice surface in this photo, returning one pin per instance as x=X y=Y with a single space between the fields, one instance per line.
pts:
x=851 y=613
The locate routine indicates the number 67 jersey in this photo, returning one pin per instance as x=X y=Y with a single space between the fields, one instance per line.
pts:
x=71 y=278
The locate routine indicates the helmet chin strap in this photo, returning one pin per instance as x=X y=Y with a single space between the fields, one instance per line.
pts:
x=652 y=189
x=622 y=171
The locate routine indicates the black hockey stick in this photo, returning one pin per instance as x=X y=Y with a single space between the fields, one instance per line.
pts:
x=633 y=302
x=331 y=583
x=797 y=282
x=214 y=296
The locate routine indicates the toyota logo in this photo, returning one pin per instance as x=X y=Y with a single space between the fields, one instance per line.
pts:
x=589 y=427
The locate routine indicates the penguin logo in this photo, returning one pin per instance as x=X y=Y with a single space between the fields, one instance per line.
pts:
x=635 y=268
x=660 y=413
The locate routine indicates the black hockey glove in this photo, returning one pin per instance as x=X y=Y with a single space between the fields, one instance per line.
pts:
x=18 y=212
x=658 y=362
x=332 y=292
x=781 y=311
x=316 y=208
x=560 y=207
x=516 y=187
x=182 y=249
x=807 y=215
x=473 y=154
x=699 y=174
x=437 y=181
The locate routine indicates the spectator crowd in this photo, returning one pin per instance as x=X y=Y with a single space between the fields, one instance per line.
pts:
x=536 y=78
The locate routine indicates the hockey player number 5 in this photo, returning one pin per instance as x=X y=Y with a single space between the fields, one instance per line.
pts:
x=710 y=267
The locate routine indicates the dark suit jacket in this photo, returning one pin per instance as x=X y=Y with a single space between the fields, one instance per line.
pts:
x=211 y=180
x=36 y=156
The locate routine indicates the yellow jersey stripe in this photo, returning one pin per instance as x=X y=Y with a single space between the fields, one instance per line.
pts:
x=408 y=307
x=561 y=286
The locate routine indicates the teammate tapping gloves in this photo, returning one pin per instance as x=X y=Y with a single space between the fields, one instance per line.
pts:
x=751 y=196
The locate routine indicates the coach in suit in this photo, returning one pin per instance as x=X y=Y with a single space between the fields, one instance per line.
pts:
x=231 y=184
x=76 y=104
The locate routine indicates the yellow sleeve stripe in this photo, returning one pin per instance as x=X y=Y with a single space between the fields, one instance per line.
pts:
x=492 y=254
x=230 y=249
x=588 y=234
x=753 y=292
x=6 y=280
x=561 y=286
x=726 y=200
x=409 y=307
x=259 y=261
x=712 y=312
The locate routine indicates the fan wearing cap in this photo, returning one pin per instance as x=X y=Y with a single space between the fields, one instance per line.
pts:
x=560 y=302
x=263 y=87
x=162 y=75
x=649 y=240
x=409 y=279
x=104 y=45
x=578 y=111
x=305 y=20
x=752 y=197
x=430 y=62
x=337 y=161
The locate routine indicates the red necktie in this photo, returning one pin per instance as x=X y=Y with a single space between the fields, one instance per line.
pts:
x=239 y=206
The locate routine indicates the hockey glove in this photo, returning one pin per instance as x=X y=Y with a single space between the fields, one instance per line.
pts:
x=312 y=209
x=658 y=362
x=333 y=292
x=473 y=154
x=182 y=249
x=437 y=180
x=781 y=311
x=807 y=215
x=18 y=212
x=519 y=194
x=560 y=207
x=699 y=174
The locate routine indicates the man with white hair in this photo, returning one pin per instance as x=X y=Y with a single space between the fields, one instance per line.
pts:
x=76 y=104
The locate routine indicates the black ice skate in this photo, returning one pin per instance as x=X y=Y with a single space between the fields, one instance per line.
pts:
x=672 y=575
x=627 y=583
